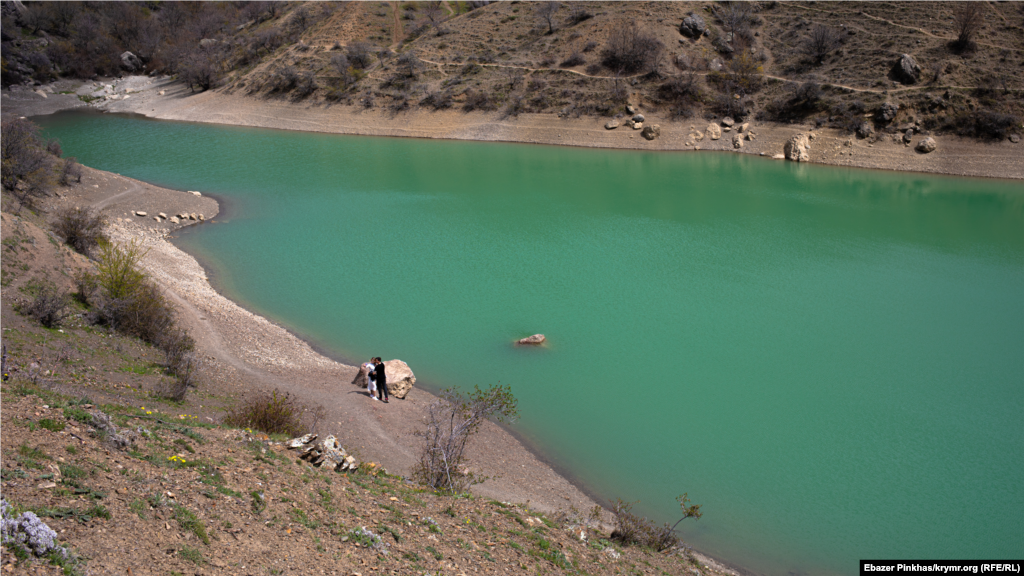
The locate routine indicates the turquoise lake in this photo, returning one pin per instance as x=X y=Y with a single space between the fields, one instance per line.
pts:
x=830 y=360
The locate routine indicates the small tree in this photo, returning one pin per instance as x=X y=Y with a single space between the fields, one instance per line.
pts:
x=25 y=164
x=451 y=421
x=546 y=12
x=80 y=229
x=822 y=42
x=633 y=529
x=966 y=23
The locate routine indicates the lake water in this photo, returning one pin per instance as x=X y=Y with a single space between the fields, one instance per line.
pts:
x=830 y=360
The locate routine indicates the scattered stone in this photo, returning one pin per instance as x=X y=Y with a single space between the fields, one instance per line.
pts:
x=888 y=111
x=534 y=340
x=192 y=216
x=737 y=141
x=1015 y=138
x=750 y=136
x=202 y=218
x=161 y=93
x=744 y=127
x=865 y=130
x=713 y=131
x=41 y=93
x=727 y=121
x=925 y=146
x=162 y=215
x=906 y=69
x=908 y=136
x=798 y=148
x=638 y=117
x=630 y=109
x=301 y=441
x=400 y=378
x=611 y=125
x=194 y=193
x=726 y=129
x=140 y=213
x=778 y=156
x=636 y=125
x=207 y=42
x=693 y=26
x=651 y=132
x=157 y=218
x=174 y=219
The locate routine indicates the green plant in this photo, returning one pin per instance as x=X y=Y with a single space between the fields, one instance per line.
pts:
x=138 y=506
x=51 y=425
x=633 y=529
x=274 y=413
x=189 y=521
x=192 y=555
x=259 y=502
x=80 y=228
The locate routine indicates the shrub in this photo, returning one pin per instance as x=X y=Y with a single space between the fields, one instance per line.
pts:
x=633 y=529
x=118 y=272
x=274 y=413
x=477 y=100
x=437 y=100
x=70 y=170
x=451 y=421
x=630 y=50
x=574 y=59
x=360 y=54
x=589 y=46
x=24 y=162
x=822 y=41
x=50 y=307
x=967 y=21
x=985 y=124
x=682 y=94
x=578 y=13
x=80 y=229
x=182 y=361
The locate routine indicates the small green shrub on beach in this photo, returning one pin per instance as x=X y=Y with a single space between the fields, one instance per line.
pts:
x=637 y=530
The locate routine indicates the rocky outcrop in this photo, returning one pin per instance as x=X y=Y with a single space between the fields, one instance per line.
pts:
x=534 y=340
x=713 y=131
x=651 y=132
x=693 y=26
x=925 y=146
x=906 y=69
x=130 y=62
x=327 y=454
x=798 y=148
x=400 y=378
x=888 y=111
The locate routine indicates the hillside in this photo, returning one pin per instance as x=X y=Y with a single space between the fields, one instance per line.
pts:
x=830 y=64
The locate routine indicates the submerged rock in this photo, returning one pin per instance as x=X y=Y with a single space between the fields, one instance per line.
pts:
x=534 y=340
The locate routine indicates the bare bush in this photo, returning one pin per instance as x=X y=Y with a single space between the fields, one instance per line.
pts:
x=574 y=59
x=275 y=413
x=967 y=21
x=477 y=100
x=25 y=165
x=578 y=13
x=822 y=41
x=50 y=307
x=360 y=54
x=589 y=46
x=450 y=423
x=630 y=50
x=437 y=100
x=182 y=362
x=70 y=170
x=682 y=94
x=80 y=229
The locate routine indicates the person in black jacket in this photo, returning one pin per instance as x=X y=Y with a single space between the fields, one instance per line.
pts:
x=381 y=378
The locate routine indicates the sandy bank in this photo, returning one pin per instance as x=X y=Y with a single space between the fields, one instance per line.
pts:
x=163 y=99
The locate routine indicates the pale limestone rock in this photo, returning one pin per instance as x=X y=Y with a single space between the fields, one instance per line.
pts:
x=713 y=131
x=651 y=131
x=400 y=378
x=534 y=340
x=925 y=146
x=798 y=148
x=611 y=125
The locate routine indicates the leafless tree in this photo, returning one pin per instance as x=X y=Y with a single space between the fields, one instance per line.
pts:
x=546 y=12
x=822 y=41
x=26 y=165
x=578 y=12
x=451 y=421
x=967 y=21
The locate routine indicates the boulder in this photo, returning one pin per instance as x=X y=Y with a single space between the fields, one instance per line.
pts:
x=737 y=141
x=888 y=111
x=173 y=219
x=194 y=193
x=636 y=125
x=906 y=69
x=925 y=146
x=162 y=215
x=908 y=136
x=638 y=117
x=651 y=131
x=744 y=127
x=727 y=121
x=798 y=148
x=130 y=62
x=713 y=131
x=865 y=129
x=693 y=26
x=400 y=378
x=1015 y=138
x=140 y=213
x=611 y=125
x=534 y=340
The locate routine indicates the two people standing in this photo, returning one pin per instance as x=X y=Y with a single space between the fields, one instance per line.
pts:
x=376 y=379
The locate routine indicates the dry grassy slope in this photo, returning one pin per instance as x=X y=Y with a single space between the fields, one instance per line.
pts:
x=509 y=37
x=197 y=499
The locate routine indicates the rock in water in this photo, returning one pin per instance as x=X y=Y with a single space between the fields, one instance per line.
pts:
x=798 y=148
x=713 y=131
x=925 y=146
x=534 y=340
x=906 y=69
x=400 y=378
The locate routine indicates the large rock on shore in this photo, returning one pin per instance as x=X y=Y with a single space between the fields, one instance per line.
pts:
x=651 y=131
x=906 y=69
x=400 y=378
x=925 y=146
x=798 y=148
x=713 y=131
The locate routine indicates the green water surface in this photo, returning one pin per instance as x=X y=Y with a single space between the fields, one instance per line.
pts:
x=830 y=360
